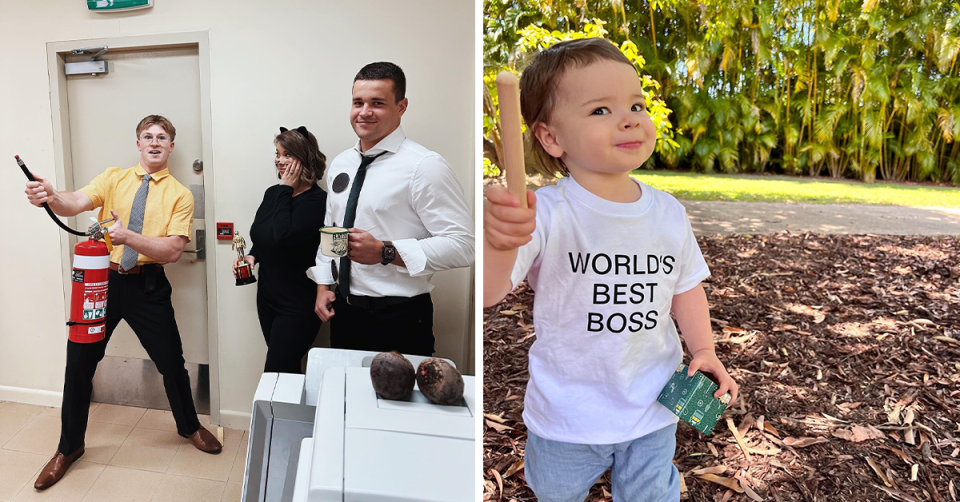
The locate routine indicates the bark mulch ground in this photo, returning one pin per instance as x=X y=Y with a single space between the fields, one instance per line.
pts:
x=847 y=352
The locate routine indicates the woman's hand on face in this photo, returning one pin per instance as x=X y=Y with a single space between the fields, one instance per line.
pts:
x=291 y=175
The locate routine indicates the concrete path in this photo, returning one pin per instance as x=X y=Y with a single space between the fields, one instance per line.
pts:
x=724 y=217
x=720 y=217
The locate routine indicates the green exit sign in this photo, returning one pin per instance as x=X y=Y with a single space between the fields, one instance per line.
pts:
x=118 y=5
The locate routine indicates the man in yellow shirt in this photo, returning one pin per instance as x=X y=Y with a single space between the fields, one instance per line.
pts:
x=159 y=215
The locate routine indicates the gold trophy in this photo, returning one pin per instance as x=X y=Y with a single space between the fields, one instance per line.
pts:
x=244 y=270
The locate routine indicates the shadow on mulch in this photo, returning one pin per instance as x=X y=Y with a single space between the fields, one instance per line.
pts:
x=847 y=352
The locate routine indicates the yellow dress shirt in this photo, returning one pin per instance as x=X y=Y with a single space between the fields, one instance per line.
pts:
x=169 y=208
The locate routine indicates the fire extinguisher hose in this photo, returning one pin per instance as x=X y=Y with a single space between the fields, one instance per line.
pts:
x=45 y=205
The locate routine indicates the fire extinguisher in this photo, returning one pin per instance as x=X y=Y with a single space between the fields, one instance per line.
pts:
x=91 y=269
x=88 y=305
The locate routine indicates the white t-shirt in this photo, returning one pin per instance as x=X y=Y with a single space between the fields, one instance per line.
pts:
x=605 y=274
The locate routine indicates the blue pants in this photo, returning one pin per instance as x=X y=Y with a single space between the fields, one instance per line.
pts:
x=642 y=469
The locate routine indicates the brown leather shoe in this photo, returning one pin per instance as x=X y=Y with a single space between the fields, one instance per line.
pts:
x=56 y=468
x=205 y=441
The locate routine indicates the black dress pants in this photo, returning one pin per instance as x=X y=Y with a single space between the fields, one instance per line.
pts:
x=144 y=302
x=406 y=327
x=288 y=335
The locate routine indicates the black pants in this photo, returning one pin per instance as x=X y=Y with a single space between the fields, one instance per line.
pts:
x=144 y=302
x=288 y=337
x=406 y=327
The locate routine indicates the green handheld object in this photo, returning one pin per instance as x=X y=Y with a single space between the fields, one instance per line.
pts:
x=691 y=399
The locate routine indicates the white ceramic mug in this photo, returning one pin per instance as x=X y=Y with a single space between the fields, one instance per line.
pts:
x=333 y=241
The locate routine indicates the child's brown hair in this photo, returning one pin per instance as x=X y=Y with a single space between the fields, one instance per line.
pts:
x=538 y=90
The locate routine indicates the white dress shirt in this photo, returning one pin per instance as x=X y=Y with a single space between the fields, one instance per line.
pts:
x=410 y=196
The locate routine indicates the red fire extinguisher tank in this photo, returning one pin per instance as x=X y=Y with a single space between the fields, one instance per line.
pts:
x=88 y=304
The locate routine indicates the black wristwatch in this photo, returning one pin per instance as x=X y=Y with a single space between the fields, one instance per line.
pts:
x=388 y=253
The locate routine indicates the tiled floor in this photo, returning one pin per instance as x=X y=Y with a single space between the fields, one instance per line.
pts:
x=132 y=454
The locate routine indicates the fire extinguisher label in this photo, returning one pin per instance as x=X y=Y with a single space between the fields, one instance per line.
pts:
x=91 y=314
x=95 y=301
x=95 y=329
x=77 y=275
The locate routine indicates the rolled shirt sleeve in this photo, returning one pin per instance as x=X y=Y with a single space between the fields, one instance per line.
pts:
x=181 y=222
x=96 y=189
x=438 y=200
x=321 y=272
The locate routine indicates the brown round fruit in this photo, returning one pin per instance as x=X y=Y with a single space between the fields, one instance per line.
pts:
x=392 y=376
x=439 y=381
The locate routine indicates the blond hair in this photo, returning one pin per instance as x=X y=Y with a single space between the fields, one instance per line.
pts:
x=159 y=120
x=539 y=90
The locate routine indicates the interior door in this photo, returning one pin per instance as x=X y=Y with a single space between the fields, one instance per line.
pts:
x=104 y=111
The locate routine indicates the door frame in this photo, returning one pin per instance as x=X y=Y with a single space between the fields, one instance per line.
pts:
x=56 y=52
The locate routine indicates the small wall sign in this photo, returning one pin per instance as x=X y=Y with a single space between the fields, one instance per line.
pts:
x=118 y=5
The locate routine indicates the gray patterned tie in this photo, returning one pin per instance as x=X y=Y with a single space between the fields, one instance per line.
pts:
x=129 y=258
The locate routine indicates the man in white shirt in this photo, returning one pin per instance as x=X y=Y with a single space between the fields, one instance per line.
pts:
x=407 y=217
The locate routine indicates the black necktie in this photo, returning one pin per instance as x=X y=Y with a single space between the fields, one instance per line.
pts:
x=350 y=215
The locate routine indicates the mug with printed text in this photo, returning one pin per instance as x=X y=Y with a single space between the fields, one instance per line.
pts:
x=333 y=241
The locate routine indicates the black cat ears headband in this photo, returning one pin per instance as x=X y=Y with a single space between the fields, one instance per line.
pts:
x=302 y=130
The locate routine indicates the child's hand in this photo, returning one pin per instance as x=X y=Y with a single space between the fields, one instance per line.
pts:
x=506 y=225
x=706 y=361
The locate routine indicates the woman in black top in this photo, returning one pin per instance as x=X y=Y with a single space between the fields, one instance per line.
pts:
x=285 y=235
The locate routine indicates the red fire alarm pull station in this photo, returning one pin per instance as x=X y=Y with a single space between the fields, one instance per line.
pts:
x=224 y=231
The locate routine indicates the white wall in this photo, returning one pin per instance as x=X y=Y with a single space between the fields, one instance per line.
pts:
x=275 y=63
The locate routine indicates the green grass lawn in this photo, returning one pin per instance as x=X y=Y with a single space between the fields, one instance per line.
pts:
x=693 y=186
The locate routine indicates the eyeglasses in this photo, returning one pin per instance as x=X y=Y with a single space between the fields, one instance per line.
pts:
x=161 y=139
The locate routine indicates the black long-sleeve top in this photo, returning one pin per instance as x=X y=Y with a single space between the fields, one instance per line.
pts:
x=285 y=236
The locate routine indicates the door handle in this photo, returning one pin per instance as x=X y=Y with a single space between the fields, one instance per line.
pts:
x=201 y=250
